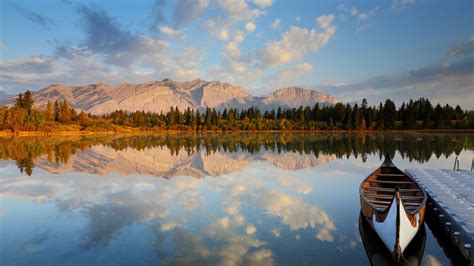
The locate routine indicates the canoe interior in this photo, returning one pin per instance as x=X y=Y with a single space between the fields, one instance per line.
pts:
x=378 y=189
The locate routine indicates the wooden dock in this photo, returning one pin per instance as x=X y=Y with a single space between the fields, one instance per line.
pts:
x=451 y=199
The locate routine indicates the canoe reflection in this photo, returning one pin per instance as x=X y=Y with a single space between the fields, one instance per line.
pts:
x=378 y=254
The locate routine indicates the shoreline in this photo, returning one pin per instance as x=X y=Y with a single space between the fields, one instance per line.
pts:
x=7 y=133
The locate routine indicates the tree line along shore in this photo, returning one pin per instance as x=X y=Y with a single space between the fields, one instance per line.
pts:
x=58 y=116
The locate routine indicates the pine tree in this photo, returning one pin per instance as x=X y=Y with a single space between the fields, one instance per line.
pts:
x=198 y=118
x=389 y=114
x=19 y=101
x=380 y=121
x=208 y=118
x=57 y=111
x=171 y=117
x=28 y=101
x=356 y=118
x=347 y=124
x=65 y=112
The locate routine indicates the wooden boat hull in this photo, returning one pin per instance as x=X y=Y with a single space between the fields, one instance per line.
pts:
x=394 y=206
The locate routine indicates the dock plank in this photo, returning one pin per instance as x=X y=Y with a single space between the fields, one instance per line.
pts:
x=451 y=195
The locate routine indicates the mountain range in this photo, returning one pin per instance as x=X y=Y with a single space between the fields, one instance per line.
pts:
x=157 y=96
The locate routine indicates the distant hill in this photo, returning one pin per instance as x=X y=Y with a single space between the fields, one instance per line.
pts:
x=157 y=96
x=5 y=98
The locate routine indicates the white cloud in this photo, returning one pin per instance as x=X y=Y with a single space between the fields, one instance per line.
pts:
x=298 y=18
x=297 y=42
x=250 y=230
x=263 y=3
x=363 y=16
x=238 y=10
x=286 y=77
x=297 y=214
x=232 y=49
x=276 y=232
x=276 y=24
x=171 y=32
x=224 y=35
x=354 y=11
x=186 y=11
x=464 y=48
x=398 y=4
x=238 y=37
x=416 y=83
x=325 y=21
x=249 y=26
x=234 y=11
x=358 y=15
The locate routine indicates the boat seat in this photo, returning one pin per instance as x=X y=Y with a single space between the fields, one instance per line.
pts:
x=381 y=196
x=392 y=189
x=383 y=208
x=388 y=202
x=391 y=182
x=390 y=175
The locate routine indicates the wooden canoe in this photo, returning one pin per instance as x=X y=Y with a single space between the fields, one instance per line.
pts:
x=393 y=205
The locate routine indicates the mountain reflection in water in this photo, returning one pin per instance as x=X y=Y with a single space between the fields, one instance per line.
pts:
x=213 y=155
x=266 y=199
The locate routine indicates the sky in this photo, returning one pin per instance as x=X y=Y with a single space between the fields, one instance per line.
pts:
x=397 y=49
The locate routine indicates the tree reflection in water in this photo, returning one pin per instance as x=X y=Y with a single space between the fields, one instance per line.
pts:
x=419 y=147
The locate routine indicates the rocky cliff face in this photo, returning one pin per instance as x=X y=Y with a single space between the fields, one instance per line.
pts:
x=295 y=96
x=157 y=96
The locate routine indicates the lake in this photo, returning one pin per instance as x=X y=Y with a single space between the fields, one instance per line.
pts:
x=225 y=199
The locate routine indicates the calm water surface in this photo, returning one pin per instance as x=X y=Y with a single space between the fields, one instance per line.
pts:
x=251 y=199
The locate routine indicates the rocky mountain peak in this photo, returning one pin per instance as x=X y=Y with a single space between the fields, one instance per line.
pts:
x=157 y=96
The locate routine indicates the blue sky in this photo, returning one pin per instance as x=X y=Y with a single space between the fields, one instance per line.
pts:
x=374 y=49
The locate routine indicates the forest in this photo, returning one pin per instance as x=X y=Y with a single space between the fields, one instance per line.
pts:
x=418 y=114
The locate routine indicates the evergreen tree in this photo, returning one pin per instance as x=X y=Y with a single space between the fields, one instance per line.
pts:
x=389 y=114
x=171 y=117
x=208 y=118
x=380 y=119
x=48 y=112
x=198 y=118
x=65 y=112
x=57 y=111
x=28 y=101
x=19 y=101
x=347 y=124
x=316 y=112
x=356 y=118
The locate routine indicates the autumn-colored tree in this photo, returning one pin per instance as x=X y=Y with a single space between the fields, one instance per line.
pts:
x=65 y=112
x=57 y=111
x=15 y=118
x=48 y=112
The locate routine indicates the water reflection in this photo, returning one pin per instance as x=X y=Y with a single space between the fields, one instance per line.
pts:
x=379 y=255
x=214 y=155
x=266 y=199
